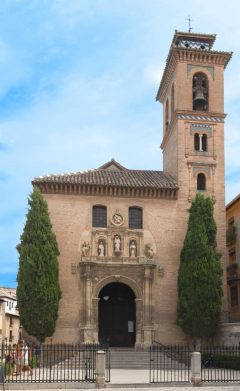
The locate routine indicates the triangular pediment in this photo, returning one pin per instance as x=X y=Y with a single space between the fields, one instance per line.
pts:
x=112 y=165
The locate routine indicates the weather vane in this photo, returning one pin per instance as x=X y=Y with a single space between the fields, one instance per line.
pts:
x=189 y=24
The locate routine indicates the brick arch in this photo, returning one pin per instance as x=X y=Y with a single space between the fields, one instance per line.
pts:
x=121 y=279
x=200 y=69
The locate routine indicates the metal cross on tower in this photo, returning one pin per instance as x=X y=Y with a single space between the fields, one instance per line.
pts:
x=189 y=24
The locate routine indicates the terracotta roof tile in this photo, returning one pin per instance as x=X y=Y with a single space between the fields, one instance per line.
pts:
x=103 y=177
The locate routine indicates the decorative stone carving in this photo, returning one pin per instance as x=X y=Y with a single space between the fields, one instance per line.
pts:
x=132 y=249
x=117 y=245
x=101 y=248
x=117 y=219
x=149 y=251
x=74 y=268
x=85 y=249
x=161 y=271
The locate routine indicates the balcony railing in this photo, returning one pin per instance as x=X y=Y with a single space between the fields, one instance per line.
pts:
x=231 y=235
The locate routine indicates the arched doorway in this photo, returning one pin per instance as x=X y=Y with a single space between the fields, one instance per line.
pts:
x=117 y=315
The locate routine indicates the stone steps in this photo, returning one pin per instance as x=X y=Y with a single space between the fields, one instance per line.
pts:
x=140 y=359
x=129 y=358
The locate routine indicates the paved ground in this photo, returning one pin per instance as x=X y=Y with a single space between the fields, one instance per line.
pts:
x=165 y=388
x=123 y=379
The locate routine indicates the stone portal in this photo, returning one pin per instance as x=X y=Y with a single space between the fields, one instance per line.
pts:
x=117 y=315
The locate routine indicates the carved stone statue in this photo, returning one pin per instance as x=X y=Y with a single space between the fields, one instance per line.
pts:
x=117 y=243
x=101 y=248
x=132 y=249
x=85 y=249
x=149 y=251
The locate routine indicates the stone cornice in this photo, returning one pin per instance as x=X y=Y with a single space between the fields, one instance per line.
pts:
x=116 y=261
x=193 y=56
x=191 y=163
x=109 y=191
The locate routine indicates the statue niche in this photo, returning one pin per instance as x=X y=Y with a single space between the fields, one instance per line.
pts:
x=85 y=249
x=101 y=248
x=132 y=249
x=117 y=245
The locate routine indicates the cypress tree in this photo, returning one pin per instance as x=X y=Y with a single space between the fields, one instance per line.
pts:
x=38 y=291
x=199 y=276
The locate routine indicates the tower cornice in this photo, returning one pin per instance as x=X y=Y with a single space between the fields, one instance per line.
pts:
x=192 y=116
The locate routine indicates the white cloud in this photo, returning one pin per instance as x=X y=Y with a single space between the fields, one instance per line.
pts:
x=153 y=74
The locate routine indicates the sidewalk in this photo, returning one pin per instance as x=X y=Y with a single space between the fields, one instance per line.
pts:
x=122 y=379
x=165 y=388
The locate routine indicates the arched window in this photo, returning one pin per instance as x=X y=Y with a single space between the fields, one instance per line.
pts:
x=201 y=182
x=99 y=216
x=200 y=92
x=196 y=142
x=172 y=101
x=204 y=142
x=166 y=115
x=135 y=218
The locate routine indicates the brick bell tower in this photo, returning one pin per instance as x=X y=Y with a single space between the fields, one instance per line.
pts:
x=192 y=94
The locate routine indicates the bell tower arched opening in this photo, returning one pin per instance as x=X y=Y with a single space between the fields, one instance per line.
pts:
x=117 y=315
x=200 y=92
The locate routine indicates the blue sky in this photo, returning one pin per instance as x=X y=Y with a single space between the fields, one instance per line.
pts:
x=78 y=80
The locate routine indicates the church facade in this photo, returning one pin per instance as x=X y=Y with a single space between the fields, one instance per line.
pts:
x=120 y=231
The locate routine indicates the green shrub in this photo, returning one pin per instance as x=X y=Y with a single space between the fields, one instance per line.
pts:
x=8 y=368
x=226 y=361
x=221 y=360
x=33 y=362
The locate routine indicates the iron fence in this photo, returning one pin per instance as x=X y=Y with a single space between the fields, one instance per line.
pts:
x=170 y=363
x=220 y=364
x=51 y=363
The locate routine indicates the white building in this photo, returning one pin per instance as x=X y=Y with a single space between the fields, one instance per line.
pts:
x=9 y=316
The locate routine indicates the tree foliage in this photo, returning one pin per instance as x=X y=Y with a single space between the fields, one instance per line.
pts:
x=199 y=276
x=38 y=291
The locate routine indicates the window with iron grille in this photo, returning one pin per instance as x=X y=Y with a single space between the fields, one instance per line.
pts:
x=135 y=218
x=99 y=216
x=234 y=295
x=201 y=182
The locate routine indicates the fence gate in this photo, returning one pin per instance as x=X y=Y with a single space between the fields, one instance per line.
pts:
x=170 y=363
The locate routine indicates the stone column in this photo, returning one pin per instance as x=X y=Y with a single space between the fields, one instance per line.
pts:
x=100 y=368
x=95 y=301
x=196 y=368
x=147 y=306
x=88 y=295
x=200 y=142
x=147 y=296
x=139 y=322
x=88 y=328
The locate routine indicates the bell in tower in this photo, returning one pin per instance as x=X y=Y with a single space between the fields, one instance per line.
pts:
x=200 y=92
